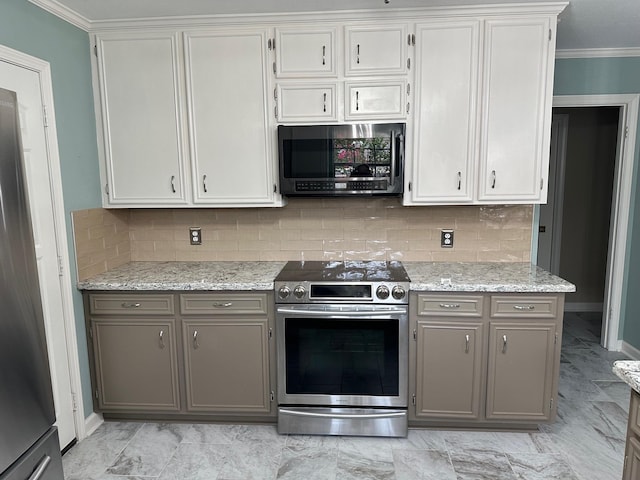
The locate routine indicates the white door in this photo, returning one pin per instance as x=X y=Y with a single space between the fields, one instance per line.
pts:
x=26 y=83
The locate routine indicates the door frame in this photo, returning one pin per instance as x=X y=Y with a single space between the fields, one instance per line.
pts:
x=620 y=205
x=43 y=70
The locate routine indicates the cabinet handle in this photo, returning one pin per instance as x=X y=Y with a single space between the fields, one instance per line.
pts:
x=161 y=338
x=466 y=343
x=449 y=305
x=504 y=344
x=324 y=102
x=357 y=100
x=204 y=183
x=222 y=305
x=324 y=51
x=358 y=54
x=493 y=179
x=524 y=307
x=195 y=339
x=173 y=183
x=459 y=180
x=130 y=305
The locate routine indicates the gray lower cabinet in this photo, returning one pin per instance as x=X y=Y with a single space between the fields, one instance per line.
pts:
x=449 y=369
x=210 y=356
x=133 y=339
x=226 y=351
x=484 y=359
x=632 y=450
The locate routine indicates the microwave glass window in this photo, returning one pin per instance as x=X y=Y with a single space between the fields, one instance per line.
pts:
x=338 y=157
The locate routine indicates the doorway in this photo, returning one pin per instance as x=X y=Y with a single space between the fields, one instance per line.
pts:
x=581 y=233
x=30 y=78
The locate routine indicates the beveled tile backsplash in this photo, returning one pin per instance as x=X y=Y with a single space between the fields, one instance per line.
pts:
x=306 y=229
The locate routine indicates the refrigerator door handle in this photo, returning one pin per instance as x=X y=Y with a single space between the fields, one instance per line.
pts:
x=41 y=468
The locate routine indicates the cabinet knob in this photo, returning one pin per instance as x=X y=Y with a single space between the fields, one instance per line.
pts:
x=204 y=183
x=504 y=344
x=467 y=339
x=493 y=179
x=161 y=338
x=173 y=183
x=324 y=51
x=130 y=305
x=195 y=339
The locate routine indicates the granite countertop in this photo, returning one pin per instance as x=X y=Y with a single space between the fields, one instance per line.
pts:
x=483 y=277
x=186 y=276
x=629 y=371
x=425 y=276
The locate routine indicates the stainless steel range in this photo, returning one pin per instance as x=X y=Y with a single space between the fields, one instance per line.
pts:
x=342 y=341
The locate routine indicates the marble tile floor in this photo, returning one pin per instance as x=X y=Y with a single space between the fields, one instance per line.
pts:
x=585 y=443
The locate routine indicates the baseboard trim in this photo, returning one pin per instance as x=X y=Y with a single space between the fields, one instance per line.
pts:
x=630 y=350
x=91 y=423
x=583 y=307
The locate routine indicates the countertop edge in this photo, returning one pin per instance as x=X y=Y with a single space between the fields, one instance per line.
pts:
x=629 y=372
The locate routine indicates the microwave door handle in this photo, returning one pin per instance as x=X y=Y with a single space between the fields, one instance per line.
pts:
x=400 y=153
x=392 y=173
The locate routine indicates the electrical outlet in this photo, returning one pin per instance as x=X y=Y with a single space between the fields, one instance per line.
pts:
x=195 y=235
x=446 y=238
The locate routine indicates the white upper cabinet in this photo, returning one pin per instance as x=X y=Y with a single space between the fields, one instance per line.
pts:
x=483 y=111
x=376 y=50
x=305 y=52
x=375 y=100
x=139 y=78
x=307 y=102
x=516 y=110
x=444 y=146
x=231 y=144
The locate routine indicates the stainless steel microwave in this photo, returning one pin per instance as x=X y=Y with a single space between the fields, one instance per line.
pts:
x=340 y=160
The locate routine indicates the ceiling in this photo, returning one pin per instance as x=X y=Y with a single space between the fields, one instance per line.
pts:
x=585 y=24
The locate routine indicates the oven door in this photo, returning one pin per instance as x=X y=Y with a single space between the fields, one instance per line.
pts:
x=342 y=355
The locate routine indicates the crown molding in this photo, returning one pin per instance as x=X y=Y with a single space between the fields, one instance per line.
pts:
x=65 y=13
x=91 y=25
x=597 y=52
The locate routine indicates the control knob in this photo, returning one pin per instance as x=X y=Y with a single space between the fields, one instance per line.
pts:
x=398 y=292
x=299 y=291
x=284 y=292
x=382 y=292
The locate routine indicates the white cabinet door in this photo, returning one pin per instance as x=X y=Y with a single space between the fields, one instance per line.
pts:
x=445 y=115
x=307 y=102
x=231 y=145
x=305 y=52
x=514 y=148
x=376 y=50
x=375 y=100
x=142 y=117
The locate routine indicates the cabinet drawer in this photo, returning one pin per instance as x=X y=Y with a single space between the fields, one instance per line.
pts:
x=223 y=304
x=634 y=413
x=302 y=103
x=524 y=307
x=375 y=100
x=449 y=305
x=135 y=304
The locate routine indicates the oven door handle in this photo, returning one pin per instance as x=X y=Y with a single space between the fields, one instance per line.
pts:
x=343 y=313
x=298 y=413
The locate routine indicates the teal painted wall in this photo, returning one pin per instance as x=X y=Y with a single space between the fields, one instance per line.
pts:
x=31 y=30
x=593 y=76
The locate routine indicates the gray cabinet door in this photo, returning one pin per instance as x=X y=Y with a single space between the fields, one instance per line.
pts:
x=521 y=366
x=136 y=364
x=227 y=365
x=449 y=370
x=632 y=460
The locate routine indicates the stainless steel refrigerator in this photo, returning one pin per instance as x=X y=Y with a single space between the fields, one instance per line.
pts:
x=29 y=446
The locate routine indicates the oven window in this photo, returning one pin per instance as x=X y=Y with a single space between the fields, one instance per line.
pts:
x=342 y=357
